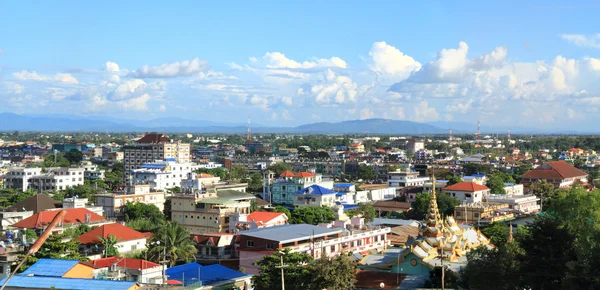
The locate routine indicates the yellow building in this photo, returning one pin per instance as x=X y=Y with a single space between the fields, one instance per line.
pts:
x=483 y=212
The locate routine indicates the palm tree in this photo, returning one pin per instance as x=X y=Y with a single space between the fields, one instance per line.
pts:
x=109 y=245
x=174 y=242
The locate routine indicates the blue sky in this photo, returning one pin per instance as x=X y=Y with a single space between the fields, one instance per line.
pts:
x=296 y=62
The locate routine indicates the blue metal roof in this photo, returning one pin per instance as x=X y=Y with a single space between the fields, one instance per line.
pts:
x=35 y=282
x=316 y=189
x=153 y=166
x=51 y=267
x=478 y=175
x=188 y=273
x=343 y=185
x=171 y=159
x=341 y=193
x=349 y=206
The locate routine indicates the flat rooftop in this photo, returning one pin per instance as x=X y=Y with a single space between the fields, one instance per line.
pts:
x=290 y=233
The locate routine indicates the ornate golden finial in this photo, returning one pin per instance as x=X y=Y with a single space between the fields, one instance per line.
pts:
x=433 y=213
x=510 y=233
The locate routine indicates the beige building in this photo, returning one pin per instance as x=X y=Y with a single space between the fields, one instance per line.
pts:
x=152 y=147
x=112 y=203
x=209 y=211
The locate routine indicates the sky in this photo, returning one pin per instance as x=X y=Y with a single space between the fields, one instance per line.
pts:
x=514 y=63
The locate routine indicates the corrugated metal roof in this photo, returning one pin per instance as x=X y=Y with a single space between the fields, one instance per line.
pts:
x=188 y=273
x=35 y=282
x=50 y=267
x=153 y=166
x=315 y=189
x=290 y=233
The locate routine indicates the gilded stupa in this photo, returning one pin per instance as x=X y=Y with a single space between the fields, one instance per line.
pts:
x=445 y=235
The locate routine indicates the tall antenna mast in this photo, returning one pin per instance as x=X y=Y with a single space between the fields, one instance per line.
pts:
x=478 y=130
x=509 y=135
x=249 y=135
x=450 y=139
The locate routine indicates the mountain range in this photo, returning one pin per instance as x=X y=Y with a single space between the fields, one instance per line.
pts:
x=72 y=123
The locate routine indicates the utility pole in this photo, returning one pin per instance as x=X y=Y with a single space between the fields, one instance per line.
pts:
x=282 y=273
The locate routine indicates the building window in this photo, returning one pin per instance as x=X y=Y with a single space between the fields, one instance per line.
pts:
x=250 y=244
x=283 y=195
x=269 y=246
x=283 y=187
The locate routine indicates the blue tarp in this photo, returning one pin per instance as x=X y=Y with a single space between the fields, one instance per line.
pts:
x=191 y=273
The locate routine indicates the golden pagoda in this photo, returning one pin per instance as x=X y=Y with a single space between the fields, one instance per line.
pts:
x=445 y=235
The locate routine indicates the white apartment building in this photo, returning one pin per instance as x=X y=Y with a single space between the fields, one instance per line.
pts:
x=162 y=175
x=91 y=171
x=315 y=195
x=75 y=202
x=405 y=178
x=112 y=203
x=210 y=165
x=153 y=146
x=57 y=178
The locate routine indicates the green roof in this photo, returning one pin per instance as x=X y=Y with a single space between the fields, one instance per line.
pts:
x=233 y=195
x=217 y=201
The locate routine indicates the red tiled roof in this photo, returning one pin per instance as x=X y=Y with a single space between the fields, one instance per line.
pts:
x=304 y=174
x=43 y=218
x=287 y=173
x=466 y=186
x=204 y=175
x=121 y=232
x=154 y=138
x=127 y=263
x=263 y=217
x=554 y=170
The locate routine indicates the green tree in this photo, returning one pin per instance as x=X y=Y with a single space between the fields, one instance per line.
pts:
x=497 y=232
x=364 y=210
x=297 y=275
x=496 y=184
x=109 y=244
x=435 y=279
x=543 y=190
x=167 y=209
x=238 y=172
x=138 y=210
x=74 y=156
x=498 y=266
x=61 y=161
x=283 y=209
x=255 y=183
x=175 y=242
x=446 y=204
x=55 y=248
x=338 y=273
x=280 y=167
x=145 y=225
x=453 y=179
x=217 y=172
x=366 y=172
x=313 y=215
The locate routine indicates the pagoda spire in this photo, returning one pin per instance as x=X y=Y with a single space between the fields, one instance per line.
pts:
x=510 y=233
x=433 y=213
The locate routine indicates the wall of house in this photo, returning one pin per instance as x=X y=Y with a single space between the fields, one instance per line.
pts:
x=469 y=197
x=80 y=271
x=131 y=246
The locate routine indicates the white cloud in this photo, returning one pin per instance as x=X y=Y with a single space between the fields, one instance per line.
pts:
x=128 y=89
x=366 y=113
x=162 y=108
x=581 y=40
x=257 y=101
x=136 y=104
x=169 y=70
x=285 y=115
x=459 y=107
x=13 y=87
x=29 y=75
x=331 y=89
x=422 y=112
x=25 y=75
x=277 y=60
x=287 y=101
x=213 y=75
x=391 y=62
x=66 y=78
x=112 y=70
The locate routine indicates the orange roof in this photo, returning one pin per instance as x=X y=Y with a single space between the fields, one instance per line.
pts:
x=354 y=145
x=154 y=138
x=204 y=175
x=43 y=218
x=121 y=232
x=287 y=173
x=263 y=217
x=554 y=170
x=127 y=263
x=466 y=186
x=304 y=174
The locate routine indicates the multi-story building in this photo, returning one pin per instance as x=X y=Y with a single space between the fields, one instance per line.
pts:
x=315 y=195
x=162 y=175
x=256 y=220
x=74 y=202
x=151 y=147
x=114 y=157
x=348 y=237
x=518 y=204
x=483 y=212
x=467 y=192
x=91 y=171
x=558 y=173
x=56 y=178
x=405 y=178
x=209 y=211
x=284 y=188
x=113 y=202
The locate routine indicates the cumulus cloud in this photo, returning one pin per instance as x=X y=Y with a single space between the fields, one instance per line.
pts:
x=422 y=112
x=257 y=101
x=129 y=89
x=331 y=89
x=170 y=70
x=136 y=104
x=26 y=75
x=391 y=62
x=460 y=107
x=366 y=113
x=112 y=70
x=277 y=60
x=13 y=87
x=582 y=40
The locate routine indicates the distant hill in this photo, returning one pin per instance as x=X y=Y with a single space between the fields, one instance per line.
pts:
x=14 y=122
